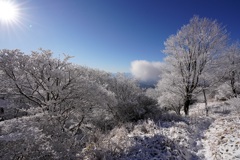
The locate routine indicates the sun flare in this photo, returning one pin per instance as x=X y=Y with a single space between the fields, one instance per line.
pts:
x=8 y=11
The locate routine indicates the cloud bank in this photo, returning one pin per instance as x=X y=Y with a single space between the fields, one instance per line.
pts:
x=146 y=71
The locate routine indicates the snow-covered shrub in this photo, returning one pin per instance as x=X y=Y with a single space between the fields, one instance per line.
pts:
x=40 y=137
x=144 y=140
x=103 y=122
x=152 y=109
x=33 y=110
x=126 y=93
x=171 y=101
x=143 y=108
x=235 y=102
x=156 y=147
x=131 y=102
x=13 y=108
x=224 y=92
x=152 y=93
x=171 y=116
x=116 y=142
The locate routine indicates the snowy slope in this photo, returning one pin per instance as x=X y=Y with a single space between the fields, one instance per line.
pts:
x=216 y=137
x=222 y=140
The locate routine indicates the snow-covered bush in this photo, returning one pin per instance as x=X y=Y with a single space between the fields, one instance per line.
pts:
x=223 y=92
x=143 y=108
x=171 y=101
x=171 y=116
x=132 y=104
x=33 y=110
x=235 y=102
x=14 y=107
x=152 y=93
x=144 y=140
x=37 y=137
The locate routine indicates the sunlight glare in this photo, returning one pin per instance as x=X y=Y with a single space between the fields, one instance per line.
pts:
x=8 y=11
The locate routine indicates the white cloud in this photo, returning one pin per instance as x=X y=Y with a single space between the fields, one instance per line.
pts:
x=146 y=71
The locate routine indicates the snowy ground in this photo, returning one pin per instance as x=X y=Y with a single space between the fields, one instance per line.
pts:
x=197 y=136
x=222 y=139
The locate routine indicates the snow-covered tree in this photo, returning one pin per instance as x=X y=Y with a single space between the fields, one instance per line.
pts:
x=194 y=47
x=131 y=102
x=56 y=86
x=226 y=75
x=231 y=68
x=73 y=94
x=170 y=90
x=152 y=93
x=126 y=93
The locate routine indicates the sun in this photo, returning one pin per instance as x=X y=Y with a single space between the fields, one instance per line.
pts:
x=8 y=11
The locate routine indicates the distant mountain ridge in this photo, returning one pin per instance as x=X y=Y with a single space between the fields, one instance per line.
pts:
x=142 y=84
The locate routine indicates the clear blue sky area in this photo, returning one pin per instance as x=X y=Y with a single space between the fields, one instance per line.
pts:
x=109 y=34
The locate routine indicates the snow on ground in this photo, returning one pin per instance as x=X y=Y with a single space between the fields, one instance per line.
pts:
x=179 y=139
x=222 y=140
x=197 y=136
x=143 y=141
x=194 y=137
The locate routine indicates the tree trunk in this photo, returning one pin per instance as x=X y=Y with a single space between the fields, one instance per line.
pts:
x=232 y=81
x=205 y=101
x=186 y=105
x=179 y=111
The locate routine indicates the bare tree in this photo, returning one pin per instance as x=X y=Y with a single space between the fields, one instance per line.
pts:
x=232 y=65
x=194 y=47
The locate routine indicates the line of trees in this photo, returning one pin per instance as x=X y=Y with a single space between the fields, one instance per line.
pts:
x=70 y=93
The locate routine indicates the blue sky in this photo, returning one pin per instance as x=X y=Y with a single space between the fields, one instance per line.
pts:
x=109 y=34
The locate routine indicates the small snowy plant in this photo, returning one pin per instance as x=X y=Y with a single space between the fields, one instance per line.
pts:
x=223 y=92
x=235 y=102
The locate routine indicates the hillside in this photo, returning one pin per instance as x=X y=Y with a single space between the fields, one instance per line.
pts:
x=195 y=137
